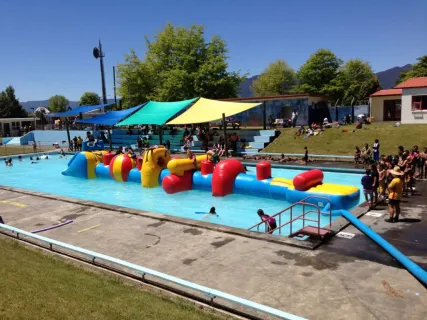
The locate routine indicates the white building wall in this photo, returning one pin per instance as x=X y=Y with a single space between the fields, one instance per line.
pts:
x=409 y=116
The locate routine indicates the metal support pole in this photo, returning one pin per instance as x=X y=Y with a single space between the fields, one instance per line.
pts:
x=160 y=135
x=264 y=115
x=352 y=110
x=110 y=139
x=68 y=133
x=114 y=79
x=224 y=125
x=101 y=63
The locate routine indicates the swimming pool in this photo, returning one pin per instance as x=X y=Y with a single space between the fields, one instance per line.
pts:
x=233 y=210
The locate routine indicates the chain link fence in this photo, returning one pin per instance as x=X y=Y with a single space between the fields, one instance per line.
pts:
x=40 y=146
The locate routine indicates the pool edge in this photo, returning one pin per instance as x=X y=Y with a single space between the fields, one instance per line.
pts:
x=337 y=225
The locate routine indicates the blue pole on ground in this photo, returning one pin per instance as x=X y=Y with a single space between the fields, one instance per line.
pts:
x=409 y=265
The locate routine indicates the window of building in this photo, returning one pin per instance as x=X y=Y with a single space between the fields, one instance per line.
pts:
x=419 y=103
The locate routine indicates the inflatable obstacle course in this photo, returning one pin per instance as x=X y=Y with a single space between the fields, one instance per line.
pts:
x=156 y=168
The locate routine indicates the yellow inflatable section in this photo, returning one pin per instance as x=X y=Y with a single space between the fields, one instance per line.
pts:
x=154 y=161
x=325 y=188
x=99 y=155
x=92 y=161
x=179 y=166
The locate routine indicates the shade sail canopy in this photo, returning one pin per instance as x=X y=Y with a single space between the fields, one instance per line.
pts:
x=110 y=118
x=156 y=112
x=206 y=110
x=78 y=110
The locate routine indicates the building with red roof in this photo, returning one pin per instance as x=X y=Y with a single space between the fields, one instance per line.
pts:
x=405 y=103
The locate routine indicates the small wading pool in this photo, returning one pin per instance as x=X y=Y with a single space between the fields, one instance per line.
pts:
x=234 y=210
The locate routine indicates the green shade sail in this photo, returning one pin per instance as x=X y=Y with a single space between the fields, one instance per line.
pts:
x=156 y=112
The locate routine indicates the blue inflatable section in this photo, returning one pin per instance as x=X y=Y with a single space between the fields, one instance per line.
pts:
x=134 y=175
x=248 y=184
x=96 y=147
x=201 y=182
x=102 y=171
x=338 y=201
x=163 y=174
x=77 y=166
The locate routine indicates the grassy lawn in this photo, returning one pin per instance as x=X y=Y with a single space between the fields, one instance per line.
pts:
x=334 y=141
x=38 y=286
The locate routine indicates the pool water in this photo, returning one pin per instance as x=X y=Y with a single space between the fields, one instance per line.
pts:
x=233 y=210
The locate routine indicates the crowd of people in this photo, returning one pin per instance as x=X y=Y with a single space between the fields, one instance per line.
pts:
x=391 y=177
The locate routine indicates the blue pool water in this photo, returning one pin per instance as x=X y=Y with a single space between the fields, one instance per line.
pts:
x=233 y=210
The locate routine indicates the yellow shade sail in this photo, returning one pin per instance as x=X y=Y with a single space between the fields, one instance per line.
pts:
x=206 y=110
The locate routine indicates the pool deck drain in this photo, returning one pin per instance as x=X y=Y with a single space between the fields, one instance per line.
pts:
x=345 y=278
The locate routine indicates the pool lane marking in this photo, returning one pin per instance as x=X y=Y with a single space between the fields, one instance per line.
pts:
x=13 y=203
x=86 y=229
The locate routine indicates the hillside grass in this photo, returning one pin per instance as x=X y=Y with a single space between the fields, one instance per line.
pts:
x=334 y=141
x=38 y=286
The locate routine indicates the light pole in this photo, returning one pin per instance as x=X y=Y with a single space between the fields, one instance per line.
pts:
x=114 y=78
x=97 y=53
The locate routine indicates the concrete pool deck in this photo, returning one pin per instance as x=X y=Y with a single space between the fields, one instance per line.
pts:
x=343 y=279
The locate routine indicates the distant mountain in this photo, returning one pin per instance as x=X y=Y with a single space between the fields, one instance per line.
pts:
x=387 y=79
x=43 y=103
x=245 y=87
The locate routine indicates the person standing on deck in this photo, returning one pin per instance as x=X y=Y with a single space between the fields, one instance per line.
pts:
x=294 y=118
x=376 y=150
x=395 y=190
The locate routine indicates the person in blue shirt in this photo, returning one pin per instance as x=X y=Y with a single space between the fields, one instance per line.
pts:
x=367 y=183
x=376 y=150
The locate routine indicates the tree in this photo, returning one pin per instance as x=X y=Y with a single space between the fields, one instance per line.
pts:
x=58 y=103
x=89 y=99
x=355 y=82
x=41 y=113
x=419 y=69
x=317 y=73
x=179 y=64
x=277 y=79
x=10 y=106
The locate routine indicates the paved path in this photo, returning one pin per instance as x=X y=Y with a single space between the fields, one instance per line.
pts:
x=345 y=279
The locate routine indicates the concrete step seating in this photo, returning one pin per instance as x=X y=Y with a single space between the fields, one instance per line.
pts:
x=256 y=139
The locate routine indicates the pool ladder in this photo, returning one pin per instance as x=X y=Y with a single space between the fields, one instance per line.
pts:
x=307 y=207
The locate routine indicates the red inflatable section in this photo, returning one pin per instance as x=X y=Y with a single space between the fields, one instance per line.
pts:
x=206 y=167
x=125 y=165
x=308 y=179
x=224 y=175
x=263 y=170
x=173 y=183
x=107 y=158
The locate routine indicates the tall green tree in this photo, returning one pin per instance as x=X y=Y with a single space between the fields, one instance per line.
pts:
x=419 y=69
x=179 y=64
x=10 y=106
x=58 y=103
x=277 y=79
x=355 y=82
x=89 y=99
x=316 y=74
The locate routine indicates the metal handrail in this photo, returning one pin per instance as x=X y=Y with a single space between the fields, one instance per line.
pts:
x=299 y=217
x=301 y=202
x=211 y=293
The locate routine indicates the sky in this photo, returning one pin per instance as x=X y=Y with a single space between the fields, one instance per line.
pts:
x=47 y=44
